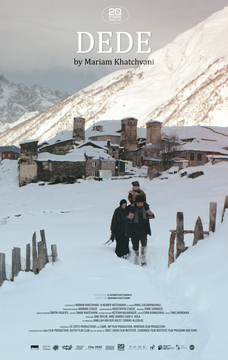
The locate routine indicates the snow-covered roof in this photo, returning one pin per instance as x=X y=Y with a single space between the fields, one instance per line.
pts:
x=110 y=127
x=29 y=141
x=12 y=148
x=97 y=144
x=60 y=136
x=201 y=145
x=95 y=153
x=73 y=156
x=154 y=121
x=212 y=133
x=218 y=156
x=77 y=154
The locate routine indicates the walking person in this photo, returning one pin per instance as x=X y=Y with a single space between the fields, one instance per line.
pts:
x=118 y=230
x=138 y=228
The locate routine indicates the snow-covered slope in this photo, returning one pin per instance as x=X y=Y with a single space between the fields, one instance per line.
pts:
x=187 y=85
x=192 y=292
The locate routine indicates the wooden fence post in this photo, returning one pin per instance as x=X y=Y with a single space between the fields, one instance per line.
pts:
x=2 y=269
x=43 y=239
x=180 y=245
x=212 y=216
x=41 y=263
x=28 y=251
x=54 y=253
x=16 y=262
x=225 y=207
x=171 y=248
x=35 y=267
x=198 y=231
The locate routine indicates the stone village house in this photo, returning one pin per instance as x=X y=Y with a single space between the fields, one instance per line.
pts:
x=68 y=156
x=160 y=153
x=106 y=145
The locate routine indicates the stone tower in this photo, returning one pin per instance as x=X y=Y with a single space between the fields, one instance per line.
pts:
x=79 y=128
x=28 y=171
x=128 y=137
x=153 y=132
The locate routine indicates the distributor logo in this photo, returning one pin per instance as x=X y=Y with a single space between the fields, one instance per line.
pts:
x=115 y=14
x=55 y=347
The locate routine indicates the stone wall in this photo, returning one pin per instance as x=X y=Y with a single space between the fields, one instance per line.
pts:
x=61 y=171
x=155 y=168
x=114 y=139
x=59 y=148
x=194 y=158
x=108 y=165
x=113 y=150
x=137 y=157
x=92 y=166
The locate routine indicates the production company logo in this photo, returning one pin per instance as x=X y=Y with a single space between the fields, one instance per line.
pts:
x=137 y=347
x=120 y=347
x=165 y=347
x=34 y=347
x=46 y=347
x=67 y=347
x=115 y=14
x=79 y=347
x=109 y=347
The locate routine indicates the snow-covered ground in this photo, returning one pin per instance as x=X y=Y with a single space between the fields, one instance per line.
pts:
x=77 y=218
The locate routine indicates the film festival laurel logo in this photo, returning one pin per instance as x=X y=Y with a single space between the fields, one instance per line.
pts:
x=115 y=14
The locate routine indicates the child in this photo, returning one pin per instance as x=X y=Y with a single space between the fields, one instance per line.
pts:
x=132 y=196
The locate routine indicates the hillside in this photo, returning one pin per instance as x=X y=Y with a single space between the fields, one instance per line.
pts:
x=187 y=85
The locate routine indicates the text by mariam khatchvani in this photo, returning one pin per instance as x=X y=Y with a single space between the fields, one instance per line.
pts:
x=117 y=61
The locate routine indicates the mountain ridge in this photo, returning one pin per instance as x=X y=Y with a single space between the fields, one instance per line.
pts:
x=19 y=99
x=187 y=85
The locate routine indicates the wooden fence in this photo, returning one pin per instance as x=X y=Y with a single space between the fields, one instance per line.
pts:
x=198 y=231
x=39 y=258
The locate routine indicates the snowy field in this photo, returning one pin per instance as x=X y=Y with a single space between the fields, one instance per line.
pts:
x=39 y=310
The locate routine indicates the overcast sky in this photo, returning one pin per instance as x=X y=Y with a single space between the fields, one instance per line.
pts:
x=39 y=37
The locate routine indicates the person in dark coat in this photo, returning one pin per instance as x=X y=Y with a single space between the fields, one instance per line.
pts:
x=138 y=228
x=118 y=230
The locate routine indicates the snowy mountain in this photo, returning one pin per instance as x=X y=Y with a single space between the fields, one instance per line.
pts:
x=186 y=84
x=18 y=99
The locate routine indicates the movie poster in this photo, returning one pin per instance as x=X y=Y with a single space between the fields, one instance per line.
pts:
x=90 y=303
